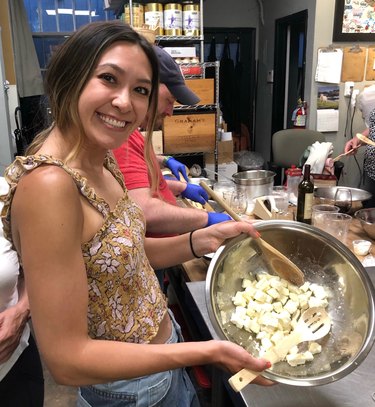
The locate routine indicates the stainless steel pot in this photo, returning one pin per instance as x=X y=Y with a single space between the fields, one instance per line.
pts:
x=255 y=182
x=325 y=261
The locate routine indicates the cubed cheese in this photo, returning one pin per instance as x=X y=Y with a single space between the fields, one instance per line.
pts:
x=273 y=293
x=268 y=319
x=291 y=306
x=262 y=284
x=317 y=302
x=246 y=283
x=238 y=299
x=299 y=358
x=314 y=348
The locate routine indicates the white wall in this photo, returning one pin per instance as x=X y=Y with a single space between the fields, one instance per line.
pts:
x=319 y=34
x=234 y=13
x=274 y=10
x=322 y=38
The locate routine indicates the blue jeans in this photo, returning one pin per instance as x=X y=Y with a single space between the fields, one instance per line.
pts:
x=172 y=388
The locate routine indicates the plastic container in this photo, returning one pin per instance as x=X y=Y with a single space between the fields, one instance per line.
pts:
x=173 y=19
x=154 y=17
x=294 y=177
x=137 y=14
x=361 y=247
x=190 y=18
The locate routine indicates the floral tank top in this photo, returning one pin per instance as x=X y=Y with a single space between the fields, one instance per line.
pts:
x=125 y=299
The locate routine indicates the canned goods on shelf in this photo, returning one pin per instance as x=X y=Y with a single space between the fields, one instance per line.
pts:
x=190 y=19
x=137 y=13
x=173 y=19
x=154 y=17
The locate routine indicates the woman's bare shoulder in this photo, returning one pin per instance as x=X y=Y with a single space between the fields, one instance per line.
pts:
x=47 y=184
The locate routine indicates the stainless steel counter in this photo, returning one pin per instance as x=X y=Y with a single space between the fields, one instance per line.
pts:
x=356 y=389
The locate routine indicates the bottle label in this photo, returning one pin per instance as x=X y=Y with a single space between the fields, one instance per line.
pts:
x=309 y=198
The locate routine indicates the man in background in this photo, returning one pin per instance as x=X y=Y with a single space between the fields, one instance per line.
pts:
x=163 y=215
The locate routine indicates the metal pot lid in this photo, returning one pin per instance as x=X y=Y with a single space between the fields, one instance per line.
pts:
x=325 y=261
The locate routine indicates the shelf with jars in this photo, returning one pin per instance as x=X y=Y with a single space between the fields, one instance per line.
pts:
x=192 y=130
x=179 y=21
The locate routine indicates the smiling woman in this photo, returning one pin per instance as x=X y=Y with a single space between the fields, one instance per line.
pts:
x=81 y=239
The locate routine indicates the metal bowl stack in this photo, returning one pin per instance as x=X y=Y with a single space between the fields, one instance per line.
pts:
x=367 y=218
x=325 y=261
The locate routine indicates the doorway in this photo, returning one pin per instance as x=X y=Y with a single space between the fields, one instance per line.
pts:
x=238 y=89
x=289 y=68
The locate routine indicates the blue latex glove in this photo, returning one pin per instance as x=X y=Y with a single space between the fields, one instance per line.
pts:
x=195 y=193
x=176 y=167
x=215 y=217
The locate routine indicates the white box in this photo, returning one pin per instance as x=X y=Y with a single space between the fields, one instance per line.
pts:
x=225 y=169
x=181 y=52
x=157 y=141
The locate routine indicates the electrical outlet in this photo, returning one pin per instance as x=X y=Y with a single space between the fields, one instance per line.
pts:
x=349 y=86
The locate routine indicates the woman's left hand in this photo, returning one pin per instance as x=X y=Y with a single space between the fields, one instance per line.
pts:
x=12 y=323
x=208 y=240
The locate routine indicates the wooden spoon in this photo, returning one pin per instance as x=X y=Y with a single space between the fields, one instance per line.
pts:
x=313 y=324
x=344 y=154
x=279 y=263
x=365 y=139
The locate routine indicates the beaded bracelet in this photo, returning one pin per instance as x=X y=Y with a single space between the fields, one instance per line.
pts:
x=191 y=245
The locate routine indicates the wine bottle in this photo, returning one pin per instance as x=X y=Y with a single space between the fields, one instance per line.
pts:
x=305 y=197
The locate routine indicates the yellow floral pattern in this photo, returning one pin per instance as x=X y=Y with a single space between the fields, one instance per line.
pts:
x=125 y=300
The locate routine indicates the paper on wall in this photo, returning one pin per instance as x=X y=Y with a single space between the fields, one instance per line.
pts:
x=327 y=120
x=328 y=68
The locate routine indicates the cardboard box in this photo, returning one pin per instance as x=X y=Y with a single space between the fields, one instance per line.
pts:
x=203 y=88
x=193 y=133
x=225 y=169
x=225 y=153
x=181 y=52
x=157 y=141
x=324 y=180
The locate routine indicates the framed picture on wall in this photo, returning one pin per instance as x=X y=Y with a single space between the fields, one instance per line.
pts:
x=354 y=20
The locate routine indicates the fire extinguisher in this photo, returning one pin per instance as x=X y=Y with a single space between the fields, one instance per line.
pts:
x=299 y=115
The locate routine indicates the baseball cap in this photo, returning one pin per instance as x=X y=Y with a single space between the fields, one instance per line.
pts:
x=171 y=76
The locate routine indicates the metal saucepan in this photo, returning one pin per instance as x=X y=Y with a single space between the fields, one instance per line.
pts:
x=255 y=182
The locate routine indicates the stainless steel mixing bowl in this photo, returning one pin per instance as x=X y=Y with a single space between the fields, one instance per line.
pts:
x=326 y=195
x=323 y=260
x=367 y=218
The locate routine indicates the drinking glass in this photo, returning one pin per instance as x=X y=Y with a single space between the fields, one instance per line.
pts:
x=281 y=197
x=343 y=199
x=318 y=212
x=239 y=202
x=337 y=224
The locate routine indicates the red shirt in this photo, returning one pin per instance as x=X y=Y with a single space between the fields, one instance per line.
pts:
x=131 y=161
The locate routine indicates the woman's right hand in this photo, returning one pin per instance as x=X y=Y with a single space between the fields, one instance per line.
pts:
x=232 y=358
x=209 y=239
x=353 y=144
